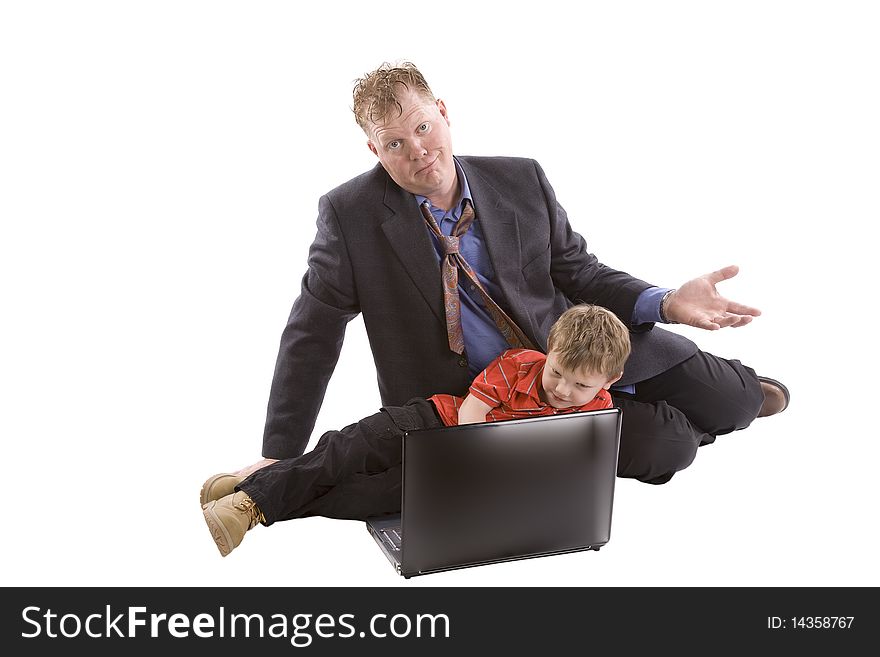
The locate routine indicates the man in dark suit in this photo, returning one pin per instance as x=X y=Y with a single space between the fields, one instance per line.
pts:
x=374 y=254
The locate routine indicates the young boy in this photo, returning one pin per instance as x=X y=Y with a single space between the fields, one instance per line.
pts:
x=587 y=348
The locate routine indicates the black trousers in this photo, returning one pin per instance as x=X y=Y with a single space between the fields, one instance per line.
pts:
x=353 y=473
x=674 y=413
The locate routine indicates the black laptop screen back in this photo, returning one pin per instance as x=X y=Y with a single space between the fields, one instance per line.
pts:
x=489 y=492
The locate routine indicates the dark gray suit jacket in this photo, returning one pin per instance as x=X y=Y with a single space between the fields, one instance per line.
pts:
x=373 y=255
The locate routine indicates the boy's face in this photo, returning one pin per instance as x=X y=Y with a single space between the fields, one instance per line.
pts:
x=563 y=388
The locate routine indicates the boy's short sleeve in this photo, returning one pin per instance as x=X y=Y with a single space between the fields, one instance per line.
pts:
x=490 y=386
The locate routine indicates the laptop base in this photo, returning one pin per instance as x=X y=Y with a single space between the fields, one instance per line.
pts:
x=385 y=530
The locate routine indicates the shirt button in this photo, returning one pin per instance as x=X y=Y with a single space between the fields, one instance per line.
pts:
x=462 y=362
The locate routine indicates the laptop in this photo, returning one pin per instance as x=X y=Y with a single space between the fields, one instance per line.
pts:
x=484 y=493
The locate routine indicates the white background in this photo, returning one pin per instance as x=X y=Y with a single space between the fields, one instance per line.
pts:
x=160 y=166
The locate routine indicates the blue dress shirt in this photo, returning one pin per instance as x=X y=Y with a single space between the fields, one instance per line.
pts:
x=483 y=341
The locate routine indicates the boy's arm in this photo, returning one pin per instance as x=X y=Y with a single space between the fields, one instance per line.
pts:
x=472 y=410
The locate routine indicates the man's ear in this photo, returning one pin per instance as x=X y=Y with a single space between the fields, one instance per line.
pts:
x=443 y=111
x=611 y=382
x=372 y=148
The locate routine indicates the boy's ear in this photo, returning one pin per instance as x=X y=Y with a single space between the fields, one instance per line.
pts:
x=611 y=382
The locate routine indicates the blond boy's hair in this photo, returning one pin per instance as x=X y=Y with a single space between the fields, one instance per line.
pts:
x=590 y=338
x=377 y=92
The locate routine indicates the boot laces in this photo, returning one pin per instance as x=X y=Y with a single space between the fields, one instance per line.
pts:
x=248 y=506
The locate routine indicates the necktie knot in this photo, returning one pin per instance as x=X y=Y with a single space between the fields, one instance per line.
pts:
x=450 y=244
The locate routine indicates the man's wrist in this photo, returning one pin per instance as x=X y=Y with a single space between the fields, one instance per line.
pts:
x=663 y=302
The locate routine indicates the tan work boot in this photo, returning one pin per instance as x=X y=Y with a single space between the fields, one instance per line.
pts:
x=220 y=485
x=229 y=519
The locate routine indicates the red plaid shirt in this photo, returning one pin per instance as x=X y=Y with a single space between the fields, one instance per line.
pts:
x=510 y=385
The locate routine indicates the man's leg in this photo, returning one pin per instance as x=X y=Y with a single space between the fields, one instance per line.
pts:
x=672 y=414
x=290 y=488
x=359 y=497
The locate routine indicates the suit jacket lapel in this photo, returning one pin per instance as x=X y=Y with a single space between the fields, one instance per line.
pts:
x=406 y=232
x=498 y=221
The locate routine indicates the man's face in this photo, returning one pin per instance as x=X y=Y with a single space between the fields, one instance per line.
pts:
x=563 y=388
x=415 y=148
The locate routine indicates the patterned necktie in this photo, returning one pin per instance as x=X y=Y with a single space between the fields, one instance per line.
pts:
x=452 y=262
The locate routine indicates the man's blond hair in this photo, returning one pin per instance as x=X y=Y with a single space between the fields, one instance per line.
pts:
x=591 y=339
x=379 y=91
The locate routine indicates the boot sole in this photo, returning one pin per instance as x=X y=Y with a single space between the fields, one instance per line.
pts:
x=218 y=532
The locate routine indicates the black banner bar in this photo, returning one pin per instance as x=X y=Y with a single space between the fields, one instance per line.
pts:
x=434 y=621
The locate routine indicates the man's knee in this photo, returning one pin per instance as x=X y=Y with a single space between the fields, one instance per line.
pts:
x=656 y=441
x=657 y=462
